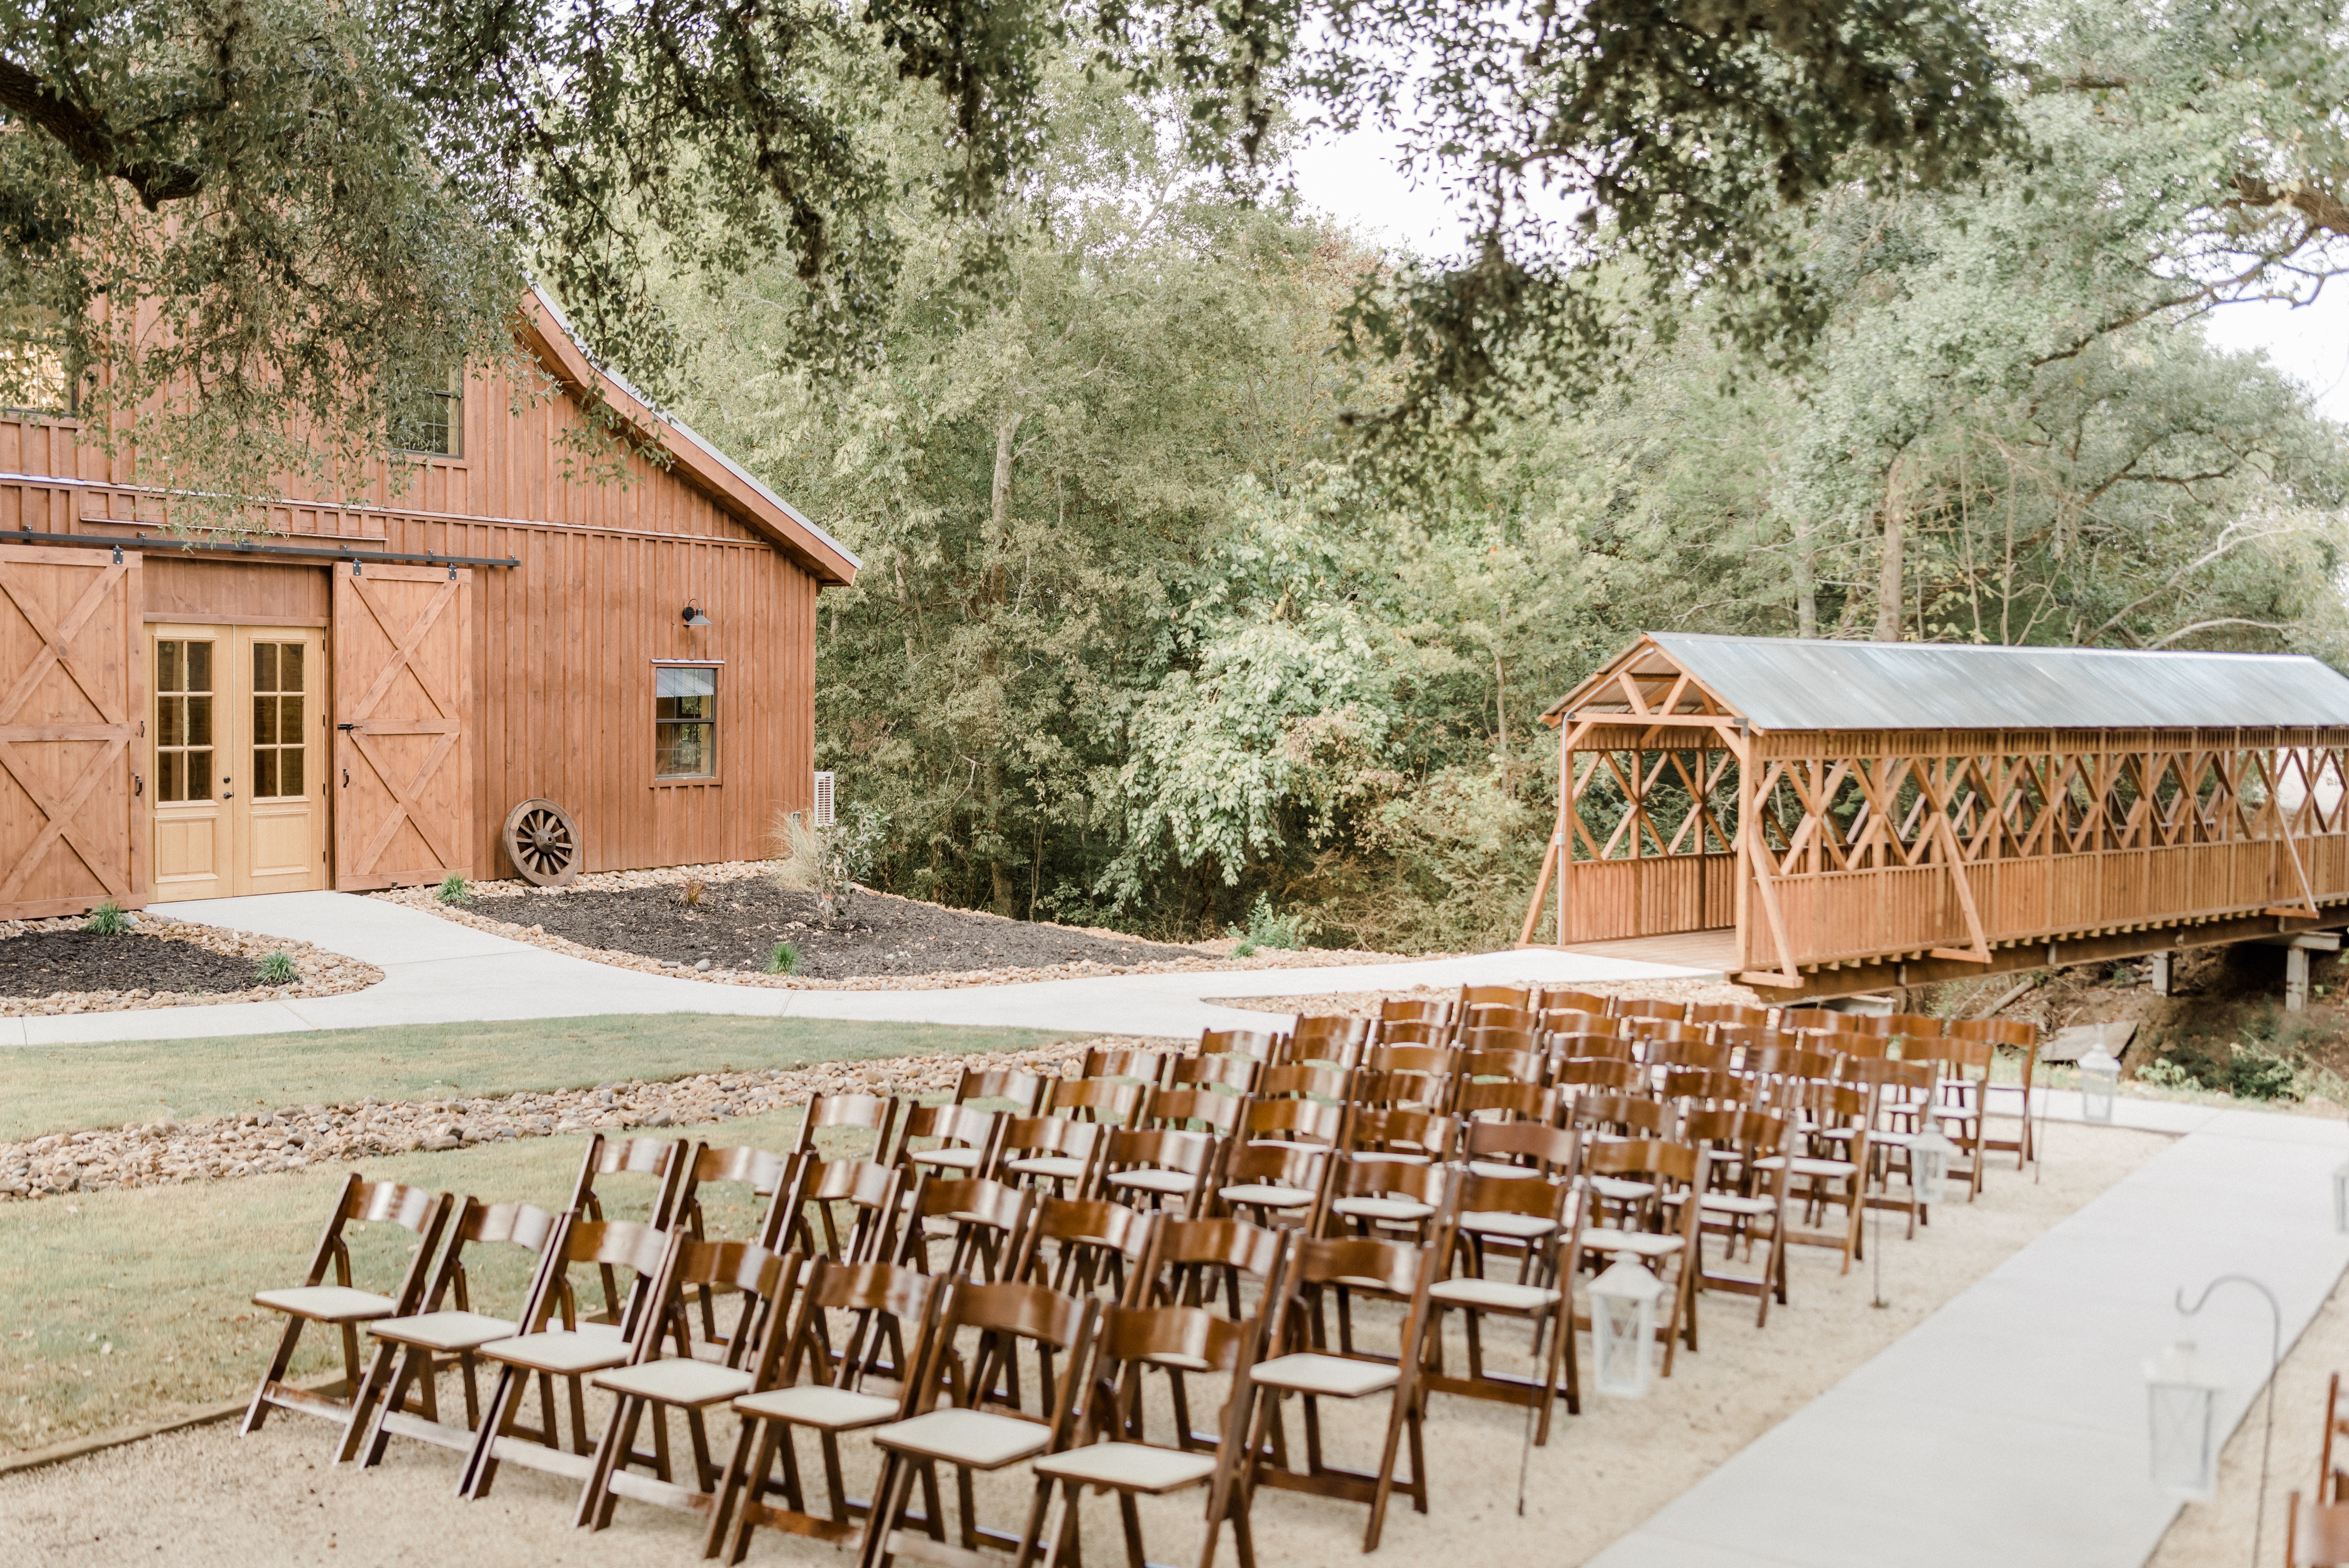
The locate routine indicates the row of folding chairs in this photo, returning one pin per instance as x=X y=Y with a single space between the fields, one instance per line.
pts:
x=877 y=1311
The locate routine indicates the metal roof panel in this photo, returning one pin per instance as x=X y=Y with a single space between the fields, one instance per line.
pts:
x=1788 y=683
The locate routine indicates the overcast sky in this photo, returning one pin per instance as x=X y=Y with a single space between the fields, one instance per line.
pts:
x=1355 y=179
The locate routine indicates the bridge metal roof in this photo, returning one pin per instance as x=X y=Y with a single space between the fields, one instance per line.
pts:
x=1785 y=682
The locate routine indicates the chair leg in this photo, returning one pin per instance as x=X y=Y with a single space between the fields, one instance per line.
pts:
x=611 y=1452
x=748 y=1441
x=482 y=1466
x=1031 y=1536
x=258 y=1411
x=364 y=1394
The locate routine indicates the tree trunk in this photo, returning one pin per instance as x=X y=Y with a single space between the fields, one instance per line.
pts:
x=1890 y=580
x=1005 y=433
x=1807 y=585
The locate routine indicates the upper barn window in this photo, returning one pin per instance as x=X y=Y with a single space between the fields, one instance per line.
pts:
x=34 y=377
x=685 y=721
x=432 y=419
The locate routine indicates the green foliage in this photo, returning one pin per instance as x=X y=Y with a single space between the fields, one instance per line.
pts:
x=107 y=920
x=276 y=969
x=784 y=959
x=453 y=890
x=1267 y=928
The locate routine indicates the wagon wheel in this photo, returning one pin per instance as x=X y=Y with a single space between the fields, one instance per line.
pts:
x=544 y=843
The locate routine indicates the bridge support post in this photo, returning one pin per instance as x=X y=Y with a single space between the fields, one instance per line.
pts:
x=2161 y=973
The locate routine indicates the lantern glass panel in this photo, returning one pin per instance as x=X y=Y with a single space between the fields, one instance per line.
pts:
x=2100 y=1079
x=2181 y=1412
x=1623 y=1322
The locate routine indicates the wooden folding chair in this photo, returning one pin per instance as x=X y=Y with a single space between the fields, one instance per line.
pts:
x=1714 y=1015
x=1435 y=1031
x=1050 y=1153
x=1387 y=1199
x=874 y=1113
x=2316 y=1533
x=1901 y=1092
x=1529 y=1065
x=1228 y=1070
x=1027 y=1093
x=1329 y=1042
x=1191 y=1110
x=1585 y=1047
x=1571 y=1021
x=1261 y=1043
x=664 y=1159
x=1578 y=1076
x=1109 y=1455
x=984 y=1222
x=1384 y=1088
x=965 y=1140
x=1652 y=1008
x=1836 y=1180
x=1306 y=1080
x=1743 y=1203
x=342 y=1306
x=2015 y=1034
x=544 y=1355
x=1562 y=999
x=1190 y=1263
x=1395 y=1010
x=1539 y=1296
x=882 y=1303
x=1522 y=1035
x=855 y=1203
x=1397 y=1133
x=690 y=1381
x=1262 y=1181
x=963 y=1436
x=1142 y=1064
x=1402 y=1273
x=1105 y=1103
x=1159 y=1170
x=1290 y=1124
x=1962 y=1092
x=1476 y=1001
x=1092 y=1242
x=1501 y=1100
x=762 y=1174
x=1670 y=1247
x=417 y=1345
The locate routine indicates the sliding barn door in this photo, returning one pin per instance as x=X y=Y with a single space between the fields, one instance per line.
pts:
x=72 y=699
x=403 y=780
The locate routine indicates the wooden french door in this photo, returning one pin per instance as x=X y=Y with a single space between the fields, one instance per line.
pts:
x=238 y=746
x=403 y=717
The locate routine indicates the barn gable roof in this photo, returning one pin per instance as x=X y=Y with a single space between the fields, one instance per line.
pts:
x=1808 y=683
x=547 y=333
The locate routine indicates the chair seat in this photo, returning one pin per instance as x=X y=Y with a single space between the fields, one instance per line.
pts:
x=566 y=1352
x=974 y=1438
x=1129 y=1467
x=1499 y=1168
x=1803 y=1165
x=444 y=1330
x=1264 y=1195
x=955 y=1159
x=1492 y=1295
x=814 y=1405
x=1737 y=1204
x=1298 y=1144
x=1642 y=1244
x=1151 y=1178
x=1397 y=1210
x=1616 y=1190
x=675 y=1381
x=1370 y=1156
x=328 y=1303
x=1059 y=1167
x=1337 y=1376
x=1501 y=1223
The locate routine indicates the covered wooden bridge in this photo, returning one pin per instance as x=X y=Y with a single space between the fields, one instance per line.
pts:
x=1823 y=817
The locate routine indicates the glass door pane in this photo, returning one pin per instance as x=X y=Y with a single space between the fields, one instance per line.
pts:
x=183 y=719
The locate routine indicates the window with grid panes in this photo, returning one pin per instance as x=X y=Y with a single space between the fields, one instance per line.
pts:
x=278 y=743
x=183 y=719
x=685 y=721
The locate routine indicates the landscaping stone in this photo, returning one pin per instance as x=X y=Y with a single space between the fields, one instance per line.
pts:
x=165 y=1153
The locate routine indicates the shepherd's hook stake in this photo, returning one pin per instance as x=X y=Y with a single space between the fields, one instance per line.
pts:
x=2276 y=1360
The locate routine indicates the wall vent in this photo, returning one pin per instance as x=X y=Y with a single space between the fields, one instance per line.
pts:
x=824 y=800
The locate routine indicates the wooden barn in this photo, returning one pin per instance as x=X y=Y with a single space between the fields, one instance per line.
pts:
x=499 y=660
x=1825 y=817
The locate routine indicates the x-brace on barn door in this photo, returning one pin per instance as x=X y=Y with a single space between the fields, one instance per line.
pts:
x=403 y=784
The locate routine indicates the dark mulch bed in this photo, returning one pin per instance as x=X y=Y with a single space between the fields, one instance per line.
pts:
x=737 y=923
x=42 y=963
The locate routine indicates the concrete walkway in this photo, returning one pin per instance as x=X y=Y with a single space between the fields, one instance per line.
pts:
x=437 y=971
x=2009 y=1429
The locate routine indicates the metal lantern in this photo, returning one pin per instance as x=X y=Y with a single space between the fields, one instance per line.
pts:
x=1929 y=1162
x=2182 y=1406
x=2341 y=1199
x=2100 y=1080
x=1624 y=1328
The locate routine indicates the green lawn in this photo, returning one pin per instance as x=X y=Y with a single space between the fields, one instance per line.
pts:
x=64 y=1088
x=128 y=1306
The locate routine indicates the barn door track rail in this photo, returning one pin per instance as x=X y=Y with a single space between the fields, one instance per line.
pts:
x=154 y=544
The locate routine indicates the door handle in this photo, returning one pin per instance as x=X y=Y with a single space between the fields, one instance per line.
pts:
x=347 y=777
x=137 y=785
x=227 y=794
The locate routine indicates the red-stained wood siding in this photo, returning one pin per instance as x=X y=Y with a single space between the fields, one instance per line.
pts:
x=562 y=644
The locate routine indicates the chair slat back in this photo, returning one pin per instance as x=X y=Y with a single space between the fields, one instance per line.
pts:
x=1261 y=1043
x=1236 y=1073
x=1025 y=1091
x=1175 y=1109
x=1103 y=1100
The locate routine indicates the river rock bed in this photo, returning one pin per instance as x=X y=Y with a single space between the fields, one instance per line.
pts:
x=211 y=1149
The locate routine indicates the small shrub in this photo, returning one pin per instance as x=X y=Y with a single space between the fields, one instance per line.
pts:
x=452 y=889
x=2255 y=1074
x=107 y=920
x=277 y=969
x=1268 y=929
x=783 y=960
x=827 y=861
x=692 y=893
x=2167 y=1074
